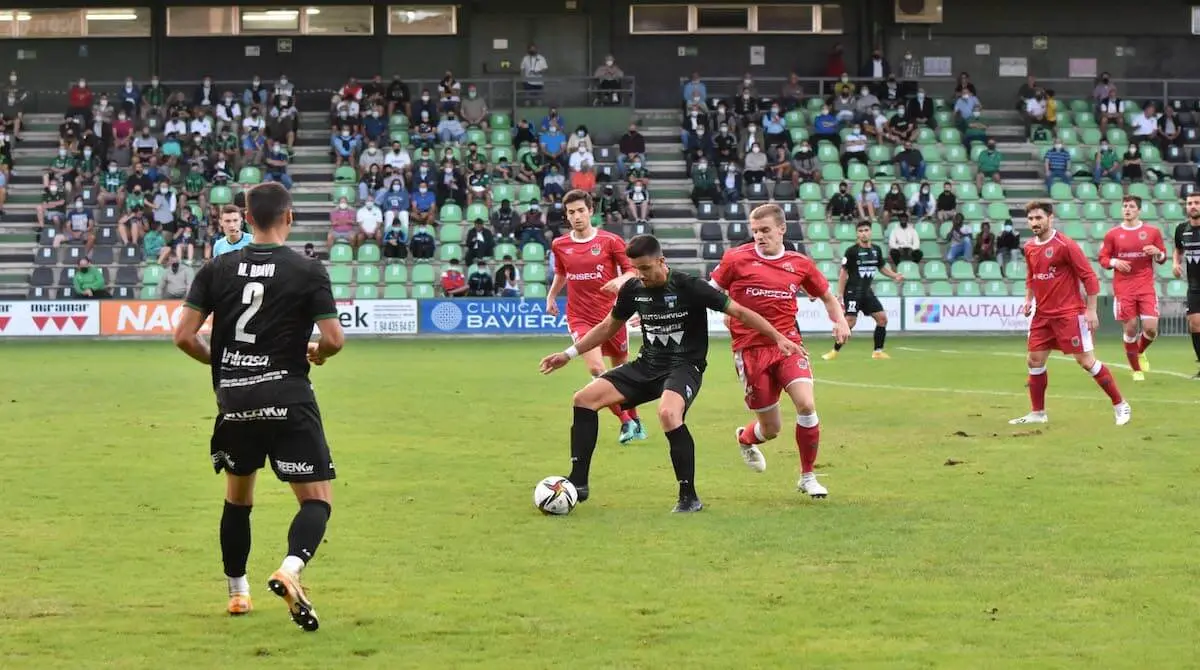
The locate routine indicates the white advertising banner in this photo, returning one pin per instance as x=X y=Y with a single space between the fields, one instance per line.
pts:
x=48 y=319
x=378 y=317
x=965 y=314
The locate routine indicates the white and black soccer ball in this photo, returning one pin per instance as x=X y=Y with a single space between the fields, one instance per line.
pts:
x=555 y=495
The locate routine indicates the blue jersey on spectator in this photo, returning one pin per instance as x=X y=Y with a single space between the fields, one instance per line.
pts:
x=552 y=142
x=1058 y=160
x=825 y=124
x=224 y=246
x=424 y=201
x=394 y=201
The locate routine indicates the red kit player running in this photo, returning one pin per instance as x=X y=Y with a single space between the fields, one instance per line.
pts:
x=1131 y=250
x=593 y=266
x=1055 y=267
x=766 y=277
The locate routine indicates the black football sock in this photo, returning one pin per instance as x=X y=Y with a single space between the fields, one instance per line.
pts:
x=1196 y=344
x=584 y=430
x=837 y=346
x=308 y=527
x=683 y=459
x=235 y=538
x=880 y=336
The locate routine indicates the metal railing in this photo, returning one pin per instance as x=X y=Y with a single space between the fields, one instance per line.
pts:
x=500 y=93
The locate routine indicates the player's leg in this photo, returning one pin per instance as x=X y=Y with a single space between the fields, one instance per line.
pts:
x=679 y=391
x=1148 y=313
x=875 y=308
x=808 y=431
x=1125 y=311
x=594 y=360
x=1193 y=321
x=235 y=539
x=1041 y=339
x=299 y=455
x=1075 y=338
x=851 y=308
x=754 y=368
x=617 y=352
x=615 y=387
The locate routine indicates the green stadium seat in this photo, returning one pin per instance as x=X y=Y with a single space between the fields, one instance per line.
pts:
x=423 y=273
x=503 y=192
x=1089 y=136
x=423 y=291
x=529 y=192
x=1139 y=189
x=909 y=269
x=397 y=123
x=798 y=135
x=968 y=288
x=500 y=138
x=454 y=151
x=926 y=136
x=1076 y=106
x=949 y=135
x=1111 y=191
x=965 y=190
x=794 y=118
x=934 y=269
x=151 y=274
x=502 y=153
x=845 y=232
x=935 y=172
x=341 y=253
x=858 y=172
x=344 y=175
x=829 y=269
x=450 y=213
x=340 y=274
x=1066 y=211
x=877 y=153
x=1093 y=211
x=1076 y=231
x=249 y=175
x=449 y=252
x=1149 y=211
x=395 y=273
x=450 y=232
x=346 y=191
x=956 y=153
x=1060 y=191
x=888 y=171
x=366 y=273
x=1163 y=270
x=814 y=211
x=476 y=136
x=821 y=251
x=814 y=104
x=940 y=289
x=395 y=292
x=831 y=172
x=926 y=230
x=1067 y=135
x=476 y=210
x=1117 y=137
x=827 y=153
x=817 y=231
x=931 y=249
x=1086 y=191
x=342 y=292
x=914 y=289
x=366 y=292
x=1096 y=230
x=995 y=289
x=534 y=290
x=368 y=253
x=811 y=192
x=997 y=211
x=1172 y=211
x=506 y=249
x=972 y=211
x=1149 y=152
x=1015 y=270
x=533 y=252
x=962 y=270
x=534 y=272
x=989 y=270
x=148 y=293
x=1018 y=286
x=220 y=195
x=943 y=117
x=499 y=121
x=932 y=152
x=1177 y=288
x=886 y=289
x=1084 y=119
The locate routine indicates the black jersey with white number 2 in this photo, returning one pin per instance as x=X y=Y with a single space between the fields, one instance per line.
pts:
x=264 y=301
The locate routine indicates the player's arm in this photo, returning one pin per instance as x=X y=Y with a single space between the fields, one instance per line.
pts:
x=323 y=311
x=1177 y=255
x=1091 y=284
x=757 y=323
x=889 y=273
x=197 y=307
x=1157 y=249
x=621 y=260
x=556 y=286
x=1027 y=309
x=599 y=334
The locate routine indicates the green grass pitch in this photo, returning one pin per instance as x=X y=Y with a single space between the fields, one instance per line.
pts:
x=950 y=539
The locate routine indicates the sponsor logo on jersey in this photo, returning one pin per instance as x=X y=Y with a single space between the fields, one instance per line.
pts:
x=670 y=300
x=596 y=250
x=236 y=360
x=584 y=276
x=267 y=413
x=293 y=468
x=1049 y=252
x=757 y=292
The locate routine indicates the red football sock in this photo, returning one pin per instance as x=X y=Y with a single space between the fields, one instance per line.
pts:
x=1144 y=343
x=633 y=415
x=1104 y=378
x=808 y=439
x=619 y=413
x=1038 y=381
x=1132 y=349
x=750 y=434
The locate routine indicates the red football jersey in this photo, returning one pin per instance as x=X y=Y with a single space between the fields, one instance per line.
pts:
x=1053 y=271
x=1127 y=244
x=588 y=265
x=768 y=286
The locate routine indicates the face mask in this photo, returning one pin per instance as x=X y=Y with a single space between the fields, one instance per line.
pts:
x=903 y=224
x=162 y=189
x=868 y=188
x=924 y=189
x=345 y=133
x=608 y=62
x=396 y=188
x=425 y=98
x=13 y=79
x=991 y=147
x=637 y=189
x=637 y=166
x=422 y=189
x=471 y=94
x=702 y=166
x=154 y=82
x=82 y=84
x=87 y=153
x=754 y=148
x=1133 y=149
x=845 y=78
x=774 y=110
x=1057 y=146
x=62 y=153
x=342 y=205
x=751 y=128
x=78 y=204
x=283 y=81
x=805 y=149
x=1103 y=147
x=112 y=168
x=372 y=150
x=221 y=164
x=53 y=188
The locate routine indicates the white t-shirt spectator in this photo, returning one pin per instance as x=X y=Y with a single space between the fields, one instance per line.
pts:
x=1144 y=125
x=253 y=122
x=398 y=161
x=532 y=67
x=1035 y=108
x=855 y=143
x=202 y=125
x=229 y=113
x=1112 y=107
x=177 y=126
x=369 y=218
x=904 y=238
x=580 y=157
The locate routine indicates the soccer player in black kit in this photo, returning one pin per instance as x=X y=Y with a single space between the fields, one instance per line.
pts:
x=673 y=307
x=1187 y=260
x=859 y=265
x=264 y=300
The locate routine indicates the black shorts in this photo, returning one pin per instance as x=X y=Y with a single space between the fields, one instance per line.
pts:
x=861 y=303
x=641 y=384
x=291 y=438
x=1193 y=302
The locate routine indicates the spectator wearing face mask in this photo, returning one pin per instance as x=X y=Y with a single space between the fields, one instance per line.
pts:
x=844 y=105
x=725 y=145
x=88 y=281
x=474 y=109
x=699 y=147
x=704 y=184
x=745 y=107
x=754 y=169
x=277 y=160
x=479 y=282
x=422 y=244
x=1168 y=133
x=1106 y=164
x=694 y=89
x=947 y=203
x=371 y=158
x=866 y=107
x=63 y=170
x=508 y=279
x=176 y=280
x=479 y=242
x=985 y=243
x=479 y=185
x=422 y=205
x=920 y=110
x=779 y=166
x=868 y=201
x=637 y=200
x=369 y=220
x=532 y=165
x=910 y=161
x=1111 y=111
x=904 y=244
x=79 y=101
x=695 y=122
x=582 y=153
x=632 y=146
x=730 y=183
x=450 y=130
x=775 y=128
x=959 y=238
x=722 y=117
x=163 y=204
x=554 y=183
x=451 y=186
x=345 y=147
x=395 y=203
x=825 y=127
x=877 y=67
x=609 y=83
x=553 y=146
x=900 y=128
x=1008 y=245
x=395 y=241
x=854 y=148
x=532 y=226
x=965 y=107
x=504 y=220
x=895 y=206
x=1131 y=164
x=533 y=72
x=922 y=203
x=842 y=205
x=80 y=228
x=584 y=179
x=1057 y=163
x=342 y=225
x=186 y=235
x=805 y=166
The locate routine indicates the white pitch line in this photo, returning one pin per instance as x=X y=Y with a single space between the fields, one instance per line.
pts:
x=1007 y=394
x=1013 y=354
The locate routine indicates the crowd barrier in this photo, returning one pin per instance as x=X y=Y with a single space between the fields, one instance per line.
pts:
x=478 y=316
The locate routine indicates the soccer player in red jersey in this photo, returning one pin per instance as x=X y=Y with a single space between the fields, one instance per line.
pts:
x=1055 y=267
x=1131 y=250
x=593 y=266
x=766 y=277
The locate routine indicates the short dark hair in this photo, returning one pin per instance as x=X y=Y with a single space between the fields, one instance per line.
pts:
x=1132 y=198
x=578 y=195
x=231 y=209
x=863 y=224
x=1193 y=194
x=642 y=246
x=267 y=204
x=1043 y=205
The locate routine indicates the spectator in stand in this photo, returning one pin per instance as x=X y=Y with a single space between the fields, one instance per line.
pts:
x=396 y=204
x=62 y=170
x=581 y=138
x=866 y=107
x=922 y=204
x=964 y=84
x=450 y=130
x=80 y=228
x=283 y=121
x=256 y=93
x=229 y=111
x=154 y=97
x=277 y=165
x=345 y=147
x=895 y=206
x=965 y=108
x=103 y=110
x=904 y=244
x=13 y=113
x=163 y=204
x=395 y=241
x=584 y=179
x=609 y=82
x=342 y=225
x=900 y=128
x=704 y=184
x=779 y=167
x=792 y=94
x=692 y=123
x=370 y=223
x=479 y=283
x=1057 y=163
x=731 y=182
x=451 y=186
x=976 y=130
x=1051 y=111
x=422 y=244
x=398 y=159
x=1008 y=246
x=206 y=95
x=868 y=201
x=611 y=206
x=154 y=244
x=554 y=183
x=920 y=110
x=533 y=226
x=505 y=220
x=1131 y=164
x=725 y=145
x=368 y=159
x=474 y=109
x=375 y=126
x=1169 y=130
x=989 y=162
x=254 y=145
x=835 y=62
x=745 y=108
x=176 y=279
x=985 y=243
x=910 y=162
x=946 y=205
x=1144 y=127
x=842 y=205
x=1106 y=164
x=775 y=128
x=854 y=148
x=425 y=108
x=89 y=281
x=694 y=89
x=423 y=206
x=632 y=146
x=959 y=238
x=805 y=166
x=479 y=182
x=508 y=279
x=454 y=284
x=877 y=68
x=637 y=200
x=1111 y=111
x=130 y=226
x=533 y=72
x=532 y=167
x=754 y=171
x=844 y=105
x=553 y=145
x=479 y=242
x=1103 y=91
x=582 y=153
x=892 y=95
x=79 y=101
x=283 y=88
x=825 y=127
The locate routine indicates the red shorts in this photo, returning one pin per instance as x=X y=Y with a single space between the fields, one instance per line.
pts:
x=1069 y=334
x=765 y=372
x=1130 y=307
x=616 y=347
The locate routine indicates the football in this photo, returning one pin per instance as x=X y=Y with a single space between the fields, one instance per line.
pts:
x=555 y=495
